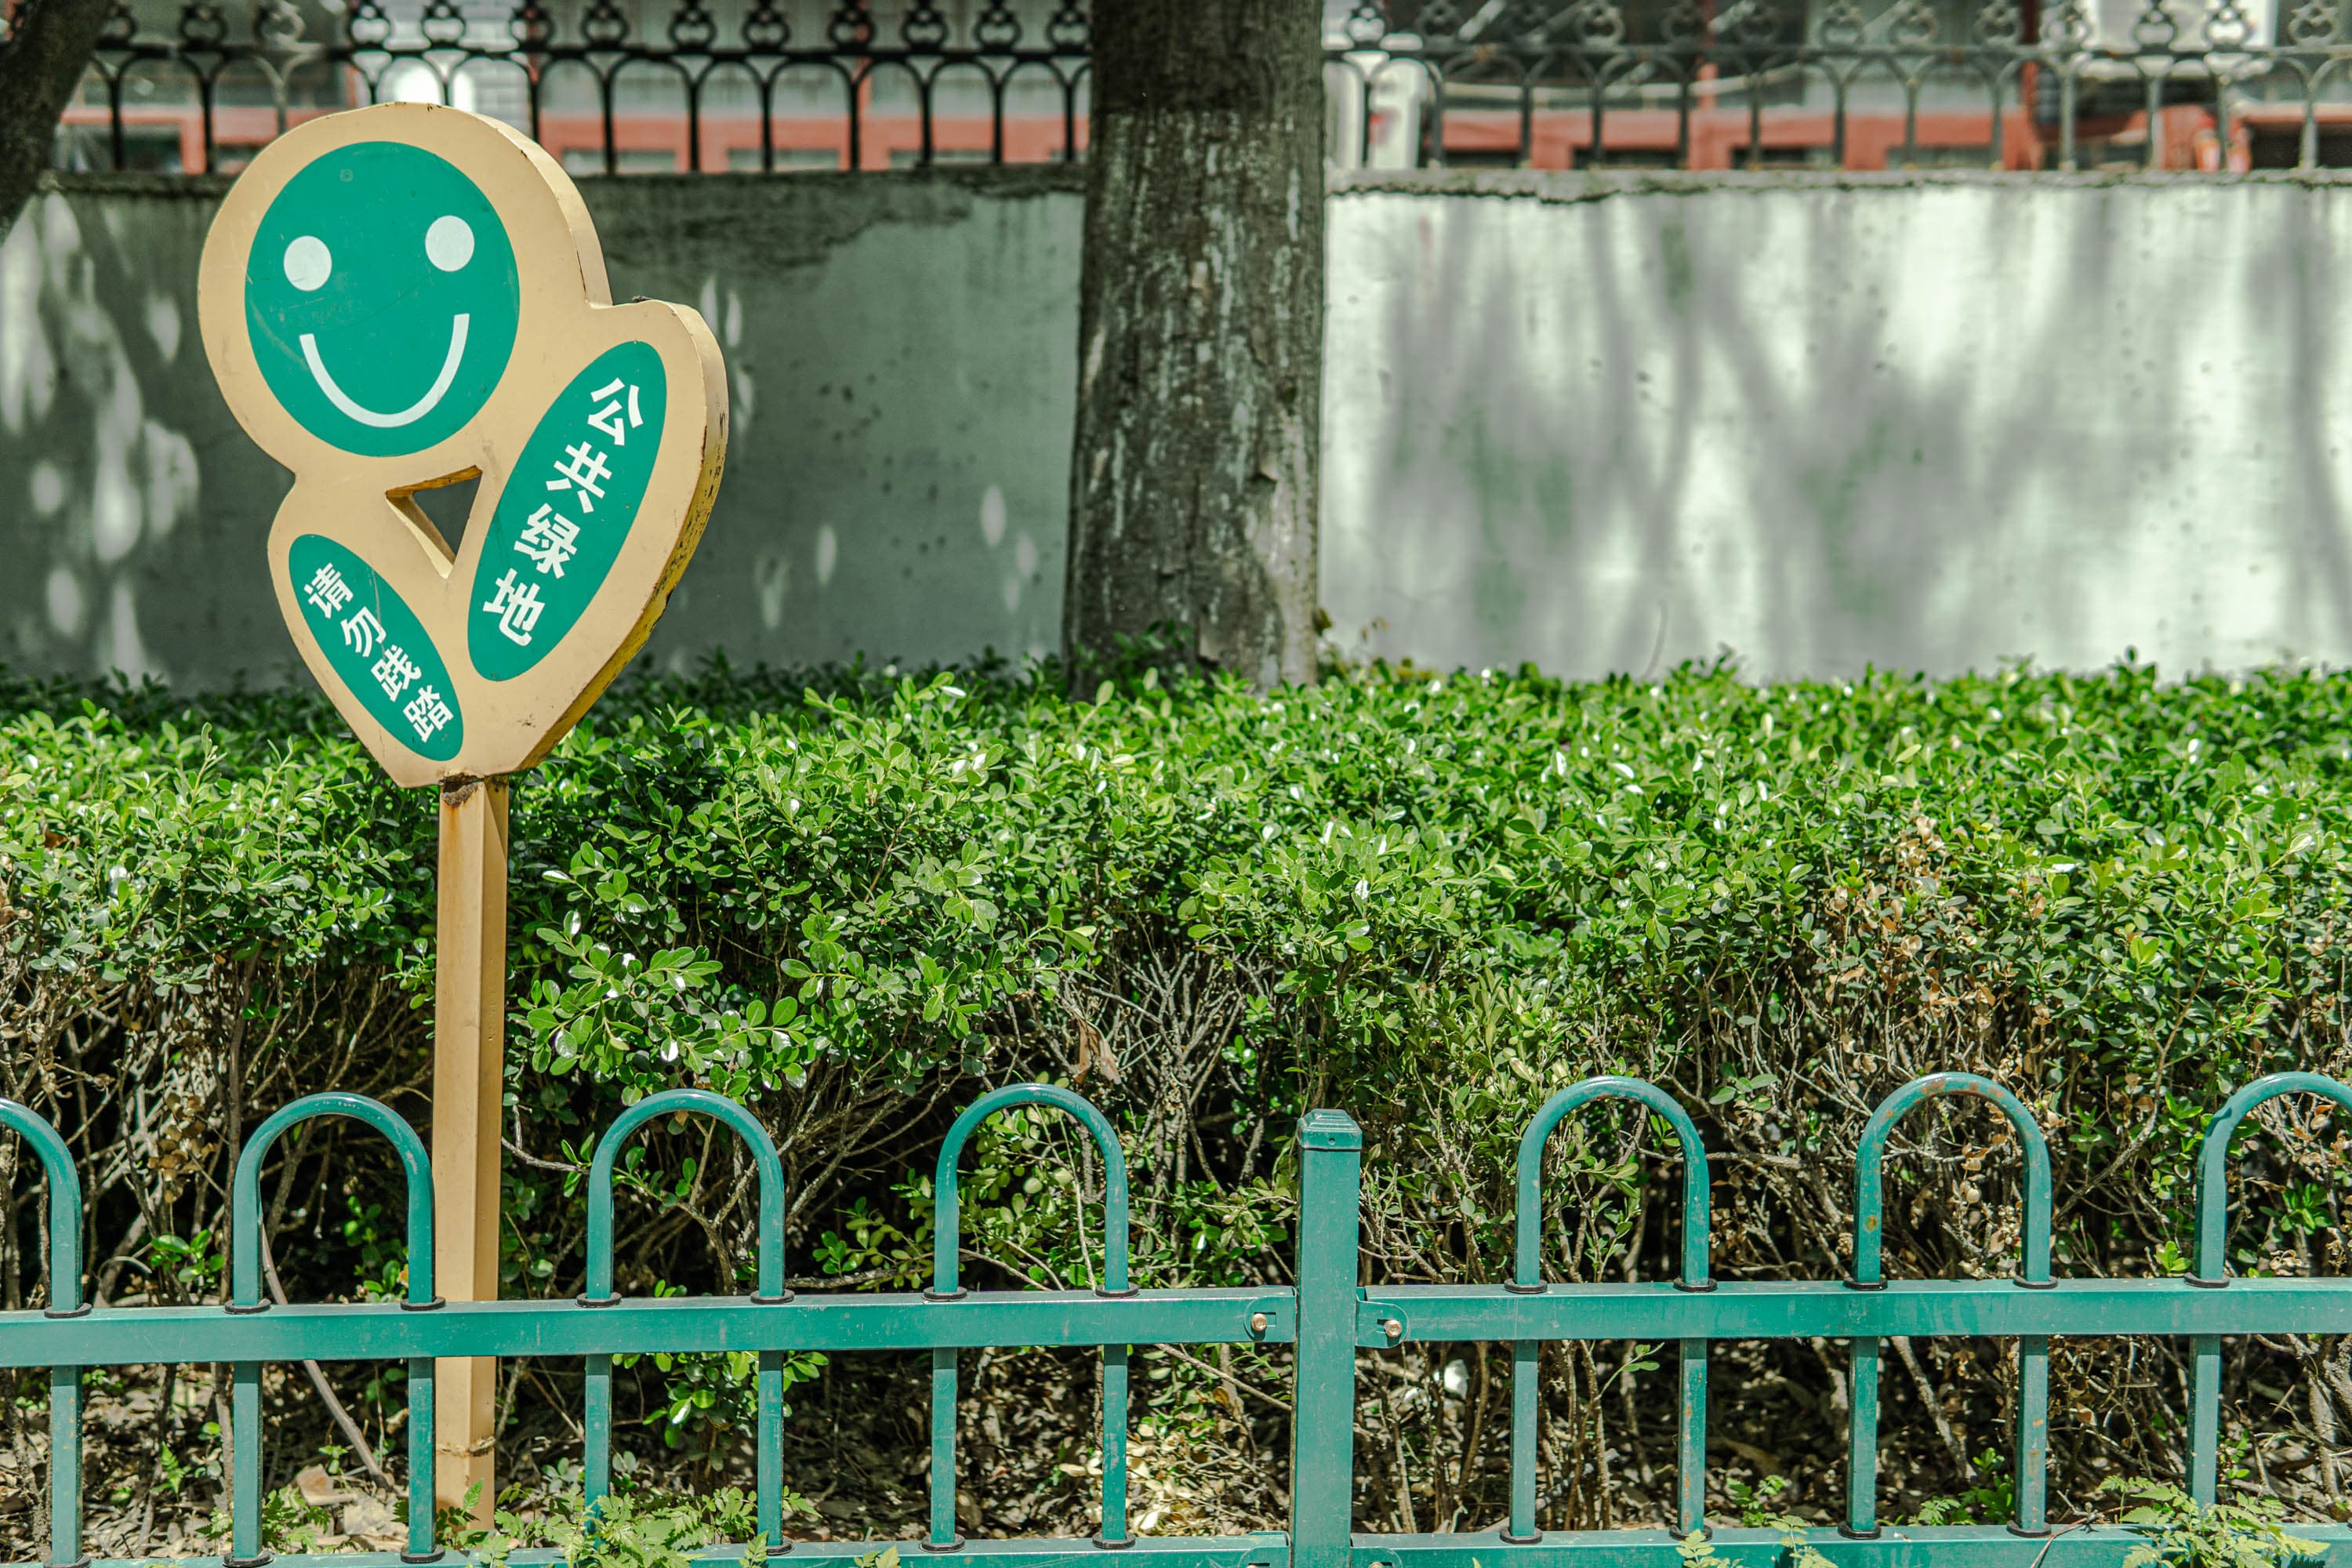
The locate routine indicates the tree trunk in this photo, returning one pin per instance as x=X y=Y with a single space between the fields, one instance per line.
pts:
x=1192 y=475
x=41 y=66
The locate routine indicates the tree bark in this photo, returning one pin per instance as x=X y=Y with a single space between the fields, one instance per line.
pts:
x=1192 y=477
x=41 y=66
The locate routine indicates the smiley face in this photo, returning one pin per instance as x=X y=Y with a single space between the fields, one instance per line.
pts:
x=381 y=298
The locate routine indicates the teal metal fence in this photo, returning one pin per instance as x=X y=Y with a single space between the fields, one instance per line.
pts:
x=1328 y=1315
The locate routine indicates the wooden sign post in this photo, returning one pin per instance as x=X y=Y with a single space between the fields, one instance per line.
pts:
x=405 y=297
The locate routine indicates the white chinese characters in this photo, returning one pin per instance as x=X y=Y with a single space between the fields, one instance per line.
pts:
x=584 y=466
x=426 y=712
x=330 y=594
x=362 y=632
x=549 y=539
x=517 y=606
x=608 y=418
x=395 y=670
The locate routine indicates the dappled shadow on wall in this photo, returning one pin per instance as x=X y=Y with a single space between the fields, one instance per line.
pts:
x=96 y=470
x=110 y=433
x=1929 y=427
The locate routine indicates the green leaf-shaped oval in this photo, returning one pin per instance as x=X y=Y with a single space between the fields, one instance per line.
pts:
x=566 y=510
x=377 y=647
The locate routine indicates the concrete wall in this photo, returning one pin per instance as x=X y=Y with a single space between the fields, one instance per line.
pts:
x=1603 y=424
x=903 y=358
x=1916 y=422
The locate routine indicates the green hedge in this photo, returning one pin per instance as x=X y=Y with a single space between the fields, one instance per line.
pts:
x=1427 y=900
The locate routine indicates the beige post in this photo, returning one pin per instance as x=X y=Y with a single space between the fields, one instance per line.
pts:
x=469 y=1084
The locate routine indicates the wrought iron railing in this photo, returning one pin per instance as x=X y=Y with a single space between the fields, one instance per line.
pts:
x=2216 y=85
x=1328 y=1315
x=610 y=86
x=768 y=85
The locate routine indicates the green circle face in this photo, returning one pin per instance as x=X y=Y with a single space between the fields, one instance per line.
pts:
x=381 y=298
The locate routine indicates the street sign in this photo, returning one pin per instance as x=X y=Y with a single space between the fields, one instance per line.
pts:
x=409 y=296
x=405 y=297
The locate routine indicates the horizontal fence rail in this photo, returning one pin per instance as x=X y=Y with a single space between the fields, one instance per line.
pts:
x=1328 y=1315
x=779 y=86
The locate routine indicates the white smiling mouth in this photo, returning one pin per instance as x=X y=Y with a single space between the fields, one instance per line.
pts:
x=414 y=411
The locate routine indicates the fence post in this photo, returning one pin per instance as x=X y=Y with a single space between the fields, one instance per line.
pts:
x=1323 y=1405
x=65 y=1302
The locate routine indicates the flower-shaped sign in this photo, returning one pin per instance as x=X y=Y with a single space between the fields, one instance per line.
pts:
x=409 y=296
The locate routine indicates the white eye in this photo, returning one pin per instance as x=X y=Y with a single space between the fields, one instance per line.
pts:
x=308 y=264
x=449 y=243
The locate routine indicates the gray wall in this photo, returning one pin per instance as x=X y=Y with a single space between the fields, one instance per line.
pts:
x=1918 y=422
x=1603 y=424
x=902 y=354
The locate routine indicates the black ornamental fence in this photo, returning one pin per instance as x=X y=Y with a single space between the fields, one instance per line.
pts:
x=790 y=86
